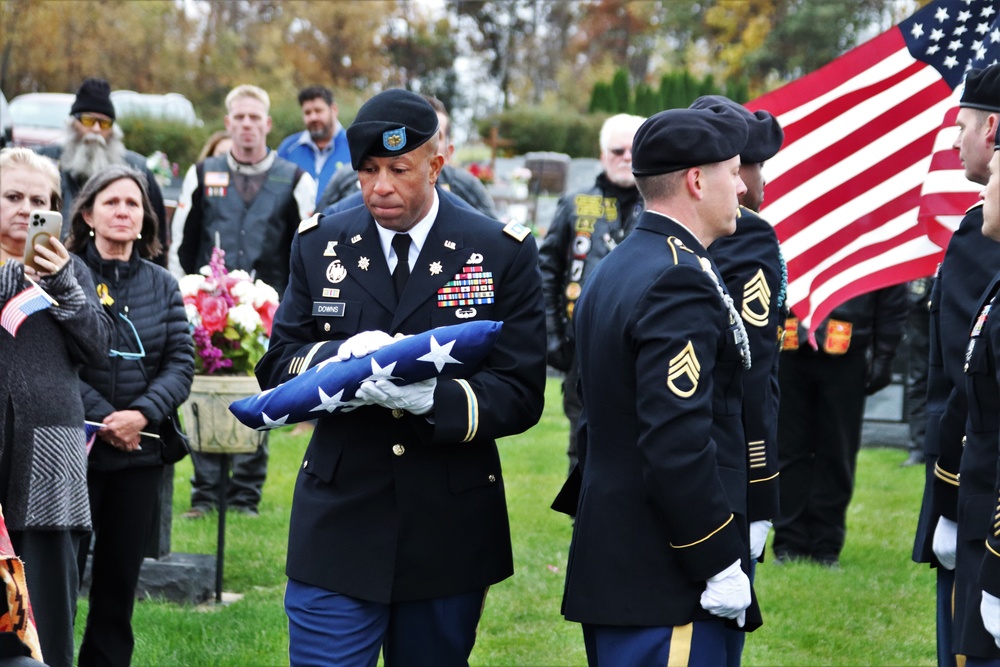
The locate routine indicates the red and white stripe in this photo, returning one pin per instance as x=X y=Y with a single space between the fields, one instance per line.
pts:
x=844 y=192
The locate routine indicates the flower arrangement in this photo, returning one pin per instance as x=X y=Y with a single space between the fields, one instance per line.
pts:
x=230 y=316
x=520 y=175
x=482 y=172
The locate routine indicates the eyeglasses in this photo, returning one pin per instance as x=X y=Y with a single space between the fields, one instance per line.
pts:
x=133 y=356
x=90 y=121
x=618 y=152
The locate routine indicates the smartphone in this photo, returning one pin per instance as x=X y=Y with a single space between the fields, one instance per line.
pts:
x=41 y=226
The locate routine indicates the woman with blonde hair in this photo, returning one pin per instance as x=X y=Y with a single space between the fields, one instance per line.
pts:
x=43 y=452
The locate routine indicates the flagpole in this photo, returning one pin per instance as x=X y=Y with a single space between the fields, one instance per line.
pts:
x=148 y=435
x=44 y=293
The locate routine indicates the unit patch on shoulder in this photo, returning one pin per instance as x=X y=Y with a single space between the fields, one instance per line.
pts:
x=309 y=223
x=517 y=230
x=756 y=300
x=684 y=372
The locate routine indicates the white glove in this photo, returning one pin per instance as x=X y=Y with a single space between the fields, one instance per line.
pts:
x=727 y=594
x=417 y=398
x=758 y=537
x=990 y=609
x=946 y=542
x=363 y=344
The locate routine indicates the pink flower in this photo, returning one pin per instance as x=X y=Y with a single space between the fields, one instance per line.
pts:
x=214 y=311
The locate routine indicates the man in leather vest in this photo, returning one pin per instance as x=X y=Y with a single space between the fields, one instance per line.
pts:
x=250 y=203
x=588 y=224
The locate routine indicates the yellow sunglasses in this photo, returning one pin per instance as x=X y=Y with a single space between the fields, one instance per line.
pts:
x=90 y=121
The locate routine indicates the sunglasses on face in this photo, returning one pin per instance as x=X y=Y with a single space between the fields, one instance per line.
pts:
x=90 y=121
x=618 y=152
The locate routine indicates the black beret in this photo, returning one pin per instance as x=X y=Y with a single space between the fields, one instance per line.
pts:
x=678 y=139
x=766 y=135
x=982 y=89
x=94 y=96
x=390 y=124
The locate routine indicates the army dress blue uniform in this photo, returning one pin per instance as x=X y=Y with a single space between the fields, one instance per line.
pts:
x=390 y=506
x=969 y=264
x=753 y=271
x=662 y=505
x=978 y=556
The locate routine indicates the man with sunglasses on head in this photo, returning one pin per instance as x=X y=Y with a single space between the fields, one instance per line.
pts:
x=93 y=141
x=588 y=224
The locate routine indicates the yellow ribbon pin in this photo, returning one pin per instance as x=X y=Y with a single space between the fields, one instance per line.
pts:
x=105 y=297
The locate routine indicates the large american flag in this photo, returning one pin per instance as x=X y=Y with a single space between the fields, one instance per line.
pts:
x=866 y=189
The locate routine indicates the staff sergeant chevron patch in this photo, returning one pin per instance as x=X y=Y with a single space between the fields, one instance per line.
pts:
x=684 y=365
x=756 y=292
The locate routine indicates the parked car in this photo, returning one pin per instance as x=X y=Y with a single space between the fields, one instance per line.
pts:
x=39 y=118
x=171 y=106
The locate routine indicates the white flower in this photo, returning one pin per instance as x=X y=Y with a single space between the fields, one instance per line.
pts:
x=245 y=318
x=241 y=275
x=191 y=283
x=263 y=293
x=193 y=316
x=243 y=291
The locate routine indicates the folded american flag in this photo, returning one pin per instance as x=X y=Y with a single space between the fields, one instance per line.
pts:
x=329 y=386
x=17 y=309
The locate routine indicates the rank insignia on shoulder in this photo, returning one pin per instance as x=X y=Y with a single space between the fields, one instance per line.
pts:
x=309 y=223
x=516 y=230
x=684 y=372
x=756 y=292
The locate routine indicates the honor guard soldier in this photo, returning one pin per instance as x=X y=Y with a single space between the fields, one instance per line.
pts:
x=753 y=270
x=659 y=557
x=399 y=522
x=970 y=263
x=587 y=225
x=989 y=578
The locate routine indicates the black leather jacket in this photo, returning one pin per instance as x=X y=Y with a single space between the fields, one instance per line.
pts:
x=588 y=224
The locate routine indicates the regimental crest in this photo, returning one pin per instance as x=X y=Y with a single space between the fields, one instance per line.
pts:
x=394 y=140
x=684 y=372
x=756 y=300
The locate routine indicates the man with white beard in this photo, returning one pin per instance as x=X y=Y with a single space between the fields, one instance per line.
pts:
x=94 y=141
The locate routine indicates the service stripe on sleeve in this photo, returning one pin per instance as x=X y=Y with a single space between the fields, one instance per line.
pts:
x=473 y=411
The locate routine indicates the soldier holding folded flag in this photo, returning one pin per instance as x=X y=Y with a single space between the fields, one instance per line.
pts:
x=399 y=523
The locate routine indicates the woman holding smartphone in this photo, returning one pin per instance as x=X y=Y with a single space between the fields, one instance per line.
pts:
x=132 y=392
x=43 y=456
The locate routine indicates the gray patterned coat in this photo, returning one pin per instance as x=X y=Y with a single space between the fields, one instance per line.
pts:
x=43 y=459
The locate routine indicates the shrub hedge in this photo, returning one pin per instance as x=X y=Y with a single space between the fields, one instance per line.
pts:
x=531 y=128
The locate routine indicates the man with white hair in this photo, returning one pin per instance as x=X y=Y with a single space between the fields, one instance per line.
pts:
x=588 y=224
x=94 y=141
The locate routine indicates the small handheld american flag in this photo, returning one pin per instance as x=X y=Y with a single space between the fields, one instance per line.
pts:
x=31 y=300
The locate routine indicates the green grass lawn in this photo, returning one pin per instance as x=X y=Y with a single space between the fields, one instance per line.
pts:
x=877 y=610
